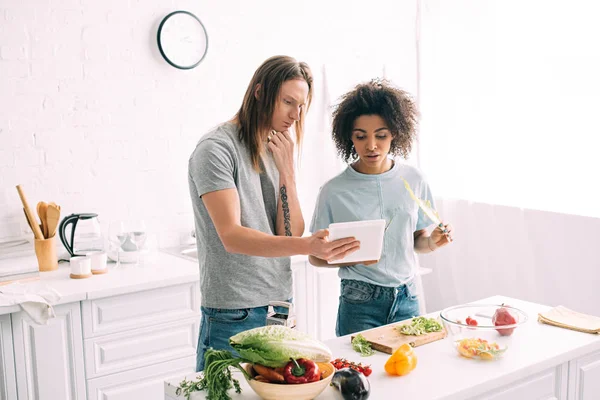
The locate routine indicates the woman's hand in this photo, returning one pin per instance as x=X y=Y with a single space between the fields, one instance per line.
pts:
x=281 y=146
x=440 y=236
x=320 y=247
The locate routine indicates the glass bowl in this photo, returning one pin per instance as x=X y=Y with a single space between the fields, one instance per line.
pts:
x=484 y=340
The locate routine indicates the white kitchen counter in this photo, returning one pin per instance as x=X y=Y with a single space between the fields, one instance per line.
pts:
x=109 y=333
x=534 y=358
x=160 y=270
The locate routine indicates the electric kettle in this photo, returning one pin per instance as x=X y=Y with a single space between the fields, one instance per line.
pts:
x=84 y=236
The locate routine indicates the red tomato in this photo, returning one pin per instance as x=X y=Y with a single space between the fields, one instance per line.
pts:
x=340 y=363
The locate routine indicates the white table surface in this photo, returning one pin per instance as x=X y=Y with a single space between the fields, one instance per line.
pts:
x=442 y=374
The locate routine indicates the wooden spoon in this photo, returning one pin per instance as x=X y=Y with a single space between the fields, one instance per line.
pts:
x=52 y=218
x=29 y=223
x=42 y=208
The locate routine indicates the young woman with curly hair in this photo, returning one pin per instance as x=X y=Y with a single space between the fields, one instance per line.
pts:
x=372 y=124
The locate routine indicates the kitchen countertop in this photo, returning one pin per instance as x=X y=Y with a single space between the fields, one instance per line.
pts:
x=442 y=374
x=159 y=270
x=163 y=268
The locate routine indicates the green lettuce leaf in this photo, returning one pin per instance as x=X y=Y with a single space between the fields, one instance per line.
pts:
x=420 y=326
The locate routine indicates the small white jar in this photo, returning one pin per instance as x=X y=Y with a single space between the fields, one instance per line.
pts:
x=98 y=260
x=81 y=267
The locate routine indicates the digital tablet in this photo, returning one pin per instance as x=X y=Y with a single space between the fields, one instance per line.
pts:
x=369 y=233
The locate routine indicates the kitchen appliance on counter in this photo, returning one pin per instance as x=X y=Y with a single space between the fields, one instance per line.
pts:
x=84 y=235
x=278 y=315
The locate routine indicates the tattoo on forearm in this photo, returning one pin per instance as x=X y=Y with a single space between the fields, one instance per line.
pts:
x=285 y=207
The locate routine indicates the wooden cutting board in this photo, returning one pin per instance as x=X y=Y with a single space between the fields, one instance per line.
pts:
x=387 y=339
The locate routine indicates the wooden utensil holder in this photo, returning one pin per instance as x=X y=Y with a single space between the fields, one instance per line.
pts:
x=45 y=251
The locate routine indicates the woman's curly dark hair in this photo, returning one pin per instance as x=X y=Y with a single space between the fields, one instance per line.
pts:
x=377 y=97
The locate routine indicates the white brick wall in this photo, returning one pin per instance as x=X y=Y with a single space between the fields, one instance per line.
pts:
x=92 y=118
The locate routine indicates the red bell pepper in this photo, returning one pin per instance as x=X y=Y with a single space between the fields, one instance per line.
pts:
x=301 y=371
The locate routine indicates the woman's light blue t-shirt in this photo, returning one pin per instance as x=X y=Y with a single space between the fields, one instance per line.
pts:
x=353 y=196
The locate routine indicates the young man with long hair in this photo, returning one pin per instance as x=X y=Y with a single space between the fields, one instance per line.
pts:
x=246 y=209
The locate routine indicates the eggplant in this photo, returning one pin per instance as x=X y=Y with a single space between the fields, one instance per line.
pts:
x=352 y=384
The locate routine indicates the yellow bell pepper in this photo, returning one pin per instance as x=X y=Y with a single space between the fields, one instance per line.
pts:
x=402 y=361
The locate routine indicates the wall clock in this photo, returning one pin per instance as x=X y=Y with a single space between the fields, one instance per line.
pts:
x=182 y=39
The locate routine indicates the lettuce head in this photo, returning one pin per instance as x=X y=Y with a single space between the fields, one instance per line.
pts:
x=274 y=345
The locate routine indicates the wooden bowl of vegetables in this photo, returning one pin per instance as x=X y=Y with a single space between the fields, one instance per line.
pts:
x=263 y=354
x=298 y=380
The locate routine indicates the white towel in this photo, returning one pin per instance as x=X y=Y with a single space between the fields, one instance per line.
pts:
x=35 y=299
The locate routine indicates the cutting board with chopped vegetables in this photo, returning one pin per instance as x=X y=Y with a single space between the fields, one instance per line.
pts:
x=388 y=338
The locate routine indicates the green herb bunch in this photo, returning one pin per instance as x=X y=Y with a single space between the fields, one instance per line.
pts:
x=216 y=378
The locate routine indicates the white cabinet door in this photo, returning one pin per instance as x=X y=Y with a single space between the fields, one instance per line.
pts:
x=140 y=309
x=584 y=377
x=49 y=358
x=146 y=383
x=326 y=300
x=300 y=295
x=8 y=383
x=110 y=354
x=546 y=385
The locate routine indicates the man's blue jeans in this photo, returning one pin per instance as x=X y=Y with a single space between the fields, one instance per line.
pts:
x=219 y=324
x=364 y=306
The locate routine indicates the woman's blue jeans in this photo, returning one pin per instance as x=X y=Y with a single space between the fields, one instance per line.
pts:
x=364 y=306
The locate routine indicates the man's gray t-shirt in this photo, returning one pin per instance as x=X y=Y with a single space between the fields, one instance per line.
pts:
x=221 y=161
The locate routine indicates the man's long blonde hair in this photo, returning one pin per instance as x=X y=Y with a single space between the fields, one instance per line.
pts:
x=256 y=113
